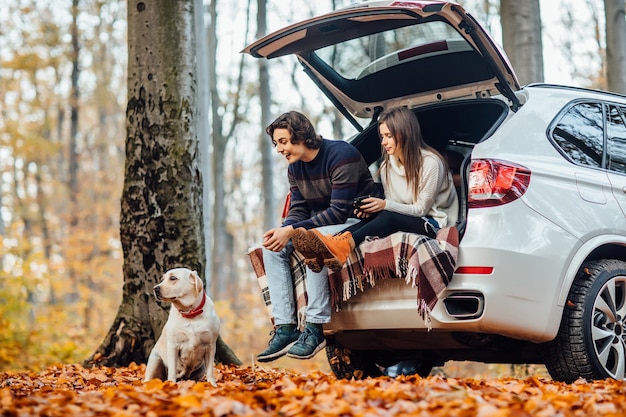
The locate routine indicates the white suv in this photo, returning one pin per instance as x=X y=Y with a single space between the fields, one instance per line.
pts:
x=541 y=273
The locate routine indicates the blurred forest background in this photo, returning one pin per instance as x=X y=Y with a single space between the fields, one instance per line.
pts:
x=62 y=137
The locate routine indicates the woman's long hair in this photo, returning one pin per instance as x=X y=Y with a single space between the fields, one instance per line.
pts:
x=407 y=133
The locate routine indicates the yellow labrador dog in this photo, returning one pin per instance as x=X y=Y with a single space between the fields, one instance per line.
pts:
x=186 y=347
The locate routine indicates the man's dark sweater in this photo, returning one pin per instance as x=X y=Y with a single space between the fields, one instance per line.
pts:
x=322 y=191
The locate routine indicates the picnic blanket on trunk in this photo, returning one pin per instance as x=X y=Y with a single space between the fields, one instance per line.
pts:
x=426 y=264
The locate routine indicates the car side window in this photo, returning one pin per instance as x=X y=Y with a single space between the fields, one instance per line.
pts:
x=579 y=134
x=616 y=140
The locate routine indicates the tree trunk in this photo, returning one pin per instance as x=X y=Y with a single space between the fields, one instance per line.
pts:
x=615 y=45
x=270 y=215
x=219 y=140
x=72 y=185
x=161 y=224
x=521 y=35
x=204 y=132
x=223 y=248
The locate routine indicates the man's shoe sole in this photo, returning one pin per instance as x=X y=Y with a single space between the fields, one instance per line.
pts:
x=275 y=355
x=317 y=349
x=300 y=242
x=319 y=247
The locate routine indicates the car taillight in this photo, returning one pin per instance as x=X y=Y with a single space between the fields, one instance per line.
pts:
x=493 y=182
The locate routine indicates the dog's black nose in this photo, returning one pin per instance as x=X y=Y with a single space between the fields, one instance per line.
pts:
x=157 y=290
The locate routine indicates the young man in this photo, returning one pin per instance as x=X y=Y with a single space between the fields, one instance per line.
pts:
x=324 y=178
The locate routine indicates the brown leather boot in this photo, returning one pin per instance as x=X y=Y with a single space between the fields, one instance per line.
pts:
x=302 y=240
x=334 y=250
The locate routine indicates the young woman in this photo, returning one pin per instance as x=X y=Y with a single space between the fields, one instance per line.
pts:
x=420 y=196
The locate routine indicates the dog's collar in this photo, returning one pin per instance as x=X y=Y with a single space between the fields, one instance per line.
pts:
x=195 y=311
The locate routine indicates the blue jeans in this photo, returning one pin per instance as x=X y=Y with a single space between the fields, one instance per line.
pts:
x=280 y=284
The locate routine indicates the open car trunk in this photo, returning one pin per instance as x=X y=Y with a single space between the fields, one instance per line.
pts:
x=452 y=128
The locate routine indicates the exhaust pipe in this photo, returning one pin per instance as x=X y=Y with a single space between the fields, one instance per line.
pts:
x=464 y=306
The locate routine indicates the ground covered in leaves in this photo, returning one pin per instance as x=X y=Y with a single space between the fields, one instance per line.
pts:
x=71 y=390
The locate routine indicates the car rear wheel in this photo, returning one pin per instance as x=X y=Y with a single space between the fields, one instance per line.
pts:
x=359 y=364
x=351 y=364
x=591 y=342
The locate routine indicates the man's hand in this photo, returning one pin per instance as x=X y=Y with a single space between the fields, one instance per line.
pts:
x=275 y=239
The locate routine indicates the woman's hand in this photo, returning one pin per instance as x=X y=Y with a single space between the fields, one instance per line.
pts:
x=370 y=206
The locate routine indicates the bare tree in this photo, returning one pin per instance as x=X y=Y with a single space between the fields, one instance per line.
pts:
x=161 y=223
x=221 y=112
x=203 y=132
x=521 y=35
x=73 y=149
x=269 y=206
x=615 y=45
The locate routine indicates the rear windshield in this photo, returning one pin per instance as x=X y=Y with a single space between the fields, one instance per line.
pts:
x=359 y=57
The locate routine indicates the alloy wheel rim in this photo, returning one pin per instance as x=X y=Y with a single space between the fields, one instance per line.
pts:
x=608 y=327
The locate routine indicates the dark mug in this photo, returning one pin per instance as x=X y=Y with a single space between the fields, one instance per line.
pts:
x=359 y=201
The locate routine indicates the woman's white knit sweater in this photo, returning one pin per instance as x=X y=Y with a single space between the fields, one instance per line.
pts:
x=437 y=197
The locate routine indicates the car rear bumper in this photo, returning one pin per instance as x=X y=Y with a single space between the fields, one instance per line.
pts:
x=518 y=299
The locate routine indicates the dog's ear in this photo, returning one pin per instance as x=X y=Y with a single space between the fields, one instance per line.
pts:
x=199 y=286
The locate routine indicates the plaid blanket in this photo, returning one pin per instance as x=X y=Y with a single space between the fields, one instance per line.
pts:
x=427 y=264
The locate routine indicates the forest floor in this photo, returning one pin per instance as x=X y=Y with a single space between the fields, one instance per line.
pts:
x=72 y=390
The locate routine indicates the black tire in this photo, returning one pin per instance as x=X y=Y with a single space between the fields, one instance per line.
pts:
x=360 y=364
x=591 y=342
x=351 y=364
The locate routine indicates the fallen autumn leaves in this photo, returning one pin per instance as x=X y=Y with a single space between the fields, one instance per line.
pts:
x=71 y=390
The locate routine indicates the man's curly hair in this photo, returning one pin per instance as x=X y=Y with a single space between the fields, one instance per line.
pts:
x=300 y=128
